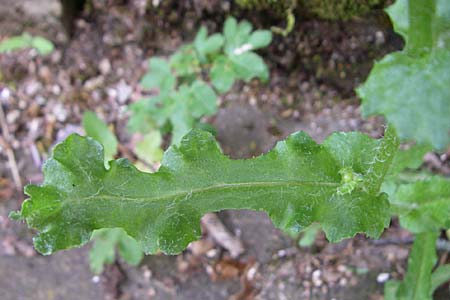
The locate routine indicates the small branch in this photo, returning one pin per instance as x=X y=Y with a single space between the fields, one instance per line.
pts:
x=441 y=244
x=221 y=235
x=8 y=149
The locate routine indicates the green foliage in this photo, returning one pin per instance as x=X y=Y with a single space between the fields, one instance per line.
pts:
x=106 y=240
x=180 y=108
x=417 y=282
x=99 y=131
x=424 y=206
x=340 y=186
x=410 y=88
x=422 y=203
x=161 y=76
x=440 y=276
x=104 y=249
x=296 y=183
x=184 y=97
x=309 y=235
x=24 y=41
x=149 y=148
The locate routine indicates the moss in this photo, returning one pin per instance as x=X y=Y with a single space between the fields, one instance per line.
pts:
x=325 y=9
x=339 y=9
x=278 y=6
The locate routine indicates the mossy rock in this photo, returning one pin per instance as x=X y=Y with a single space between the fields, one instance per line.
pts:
x=324 y=9
x=278 y=6
x=340 y=9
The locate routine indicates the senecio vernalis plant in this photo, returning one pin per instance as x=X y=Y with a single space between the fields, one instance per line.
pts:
x=350 y=183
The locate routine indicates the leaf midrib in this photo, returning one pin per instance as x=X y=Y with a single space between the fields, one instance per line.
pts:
x=218 y=187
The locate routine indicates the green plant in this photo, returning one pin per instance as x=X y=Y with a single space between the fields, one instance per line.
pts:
x=411 y=88
x=297 y=183
x=107 y=240
x=343 y=184
x=406 y=84
x=24 y=41
x=184 y=97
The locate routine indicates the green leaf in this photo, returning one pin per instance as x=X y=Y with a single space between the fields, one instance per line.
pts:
x=203 y=100
x=20 y=42
x=390 y=290
x=182 y=109
x=404 y=170
x=440 y=24
x=230 y=28
x=417 y=282
x=15 y=43
x=410 y=88
x=99 y=131
x=149 y=148
x=42 y=45
x=440 y=276
x=413 y=94
x=424 y=205
x=248 y=65
x=260 y=39
x=222 y=74
x=309 y=235
x=296 y=184
x=207 y=45
x=411 y=158
x=240 y=39
x=185 y=62
x=103 y=250
x=159 y=76
x=240 y=62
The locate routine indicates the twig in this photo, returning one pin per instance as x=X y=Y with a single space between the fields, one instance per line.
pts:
x=441 y=244
x=221 y=235
x=9 y=151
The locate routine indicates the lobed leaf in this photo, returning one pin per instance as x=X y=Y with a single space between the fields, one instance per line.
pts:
x=296 y=183
x=160 y=76
x=222 y=74
x=207 y=45
x=180 y=108
x=424 y=206
x=411 y=88
x=185 y=62
x=104 y=249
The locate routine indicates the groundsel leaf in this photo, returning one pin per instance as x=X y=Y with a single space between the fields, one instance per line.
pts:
x=297 y=183
x=424 y=205
x=411 y=88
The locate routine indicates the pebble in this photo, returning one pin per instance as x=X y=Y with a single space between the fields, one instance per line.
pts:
x=5 y=94
x=104 y=66
x=379 y=38
x=12 y=116
x=32 y=87
x=123 y=91
x=60 y=112
x=383 y=277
